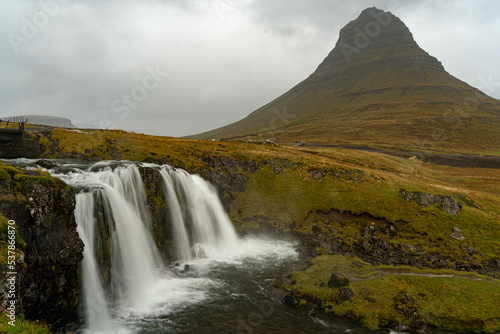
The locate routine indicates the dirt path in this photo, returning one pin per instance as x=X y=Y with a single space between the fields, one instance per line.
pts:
x=403 y=272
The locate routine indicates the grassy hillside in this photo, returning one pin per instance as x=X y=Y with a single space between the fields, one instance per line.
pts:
x=295 y=199
x=343 y=203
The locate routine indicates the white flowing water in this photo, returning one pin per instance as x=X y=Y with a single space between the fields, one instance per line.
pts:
x=139 y=284
x=204 y=226
x=135 y=264
x=128 y=183
x=183 y=251
x=96 y=308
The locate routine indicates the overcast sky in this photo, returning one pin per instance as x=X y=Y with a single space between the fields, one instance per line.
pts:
x=180 y=67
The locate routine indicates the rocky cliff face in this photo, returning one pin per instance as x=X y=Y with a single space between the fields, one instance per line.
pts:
x=162 y=233
x=42 y=207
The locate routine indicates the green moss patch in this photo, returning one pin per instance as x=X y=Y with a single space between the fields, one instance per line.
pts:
x=18 y=177
x=23 y=326
x=447 y=299
x=4 y=239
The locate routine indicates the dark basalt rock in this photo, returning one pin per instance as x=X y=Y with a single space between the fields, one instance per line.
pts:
x=291 y=300
x=345 y=294
x=158 y=207
x=338 y=281
x=48 y=277
x=46 y=164
x=316 y=229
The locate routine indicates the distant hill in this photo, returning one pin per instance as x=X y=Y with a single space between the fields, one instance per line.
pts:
x=47 y=120
x=377 y=88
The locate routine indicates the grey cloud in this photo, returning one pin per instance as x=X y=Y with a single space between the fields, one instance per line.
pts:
x=225 y=58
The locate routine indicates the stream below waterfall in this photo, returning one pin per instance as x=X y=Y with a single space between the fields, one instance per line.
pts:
x=217 y=282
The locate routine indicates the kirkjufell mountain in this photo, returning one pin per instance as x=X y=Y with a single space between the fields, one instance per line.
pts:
x=377 y=88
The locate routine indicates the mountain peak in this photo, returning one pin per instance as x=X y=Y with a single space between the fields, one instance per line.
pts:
x=374 y=26
x=374 y=34
x=377 y=87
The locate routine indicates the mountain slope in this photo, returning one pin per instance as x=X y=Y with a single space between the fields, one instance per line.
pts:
x=378 y=88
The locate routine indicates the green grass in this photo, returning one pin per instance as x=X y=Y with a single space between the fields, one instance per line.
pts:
x=23 y=326
x=464 y=302
x=4 y=239
x=18 y=177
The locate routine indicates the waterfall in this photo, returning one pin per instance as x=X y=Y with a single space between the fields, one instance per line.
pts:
x=96 y=309
x=135 y=262
x=182 y=246
x=117 y=199
x=128 y=182
x=203 y=225
x=135 y=265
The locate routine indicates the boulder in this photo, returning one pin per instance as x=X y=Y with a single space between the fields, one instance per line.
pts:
x=345 y=295
x=291 y=300
x=457 y=234
x=450 y=205
x=426 y=200
x=409 y=196
x=316 y=229
x=338 y=281
x=46 y=164
x=317 y=174
x=187 y=269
